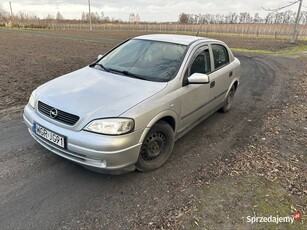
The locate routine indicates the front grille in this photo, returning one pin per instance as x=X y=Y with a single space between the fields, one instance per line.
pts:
x=62 y=116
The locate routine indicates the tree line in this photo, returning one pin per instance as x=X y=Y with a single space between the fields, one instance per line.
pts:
x=286 y=17
x=96 y=17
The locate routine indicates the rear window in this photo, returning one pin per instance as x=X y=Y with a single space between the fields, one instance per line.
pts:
x=220 y=54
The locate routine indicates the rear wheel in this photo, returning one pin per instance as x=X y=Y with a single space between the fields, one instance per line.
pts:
x=229 y=100
x=156 y=148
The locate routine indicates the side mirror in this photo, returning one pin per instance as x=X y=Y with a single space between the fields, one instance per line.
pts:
x=198 y=78
x=99 y=56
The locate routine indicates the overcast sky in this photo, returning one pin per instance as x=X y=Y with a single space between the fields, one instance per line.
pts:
x=152 y=10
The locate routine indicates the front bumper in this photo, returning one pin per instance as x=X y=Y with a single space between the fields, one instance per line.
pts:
x=93 y=151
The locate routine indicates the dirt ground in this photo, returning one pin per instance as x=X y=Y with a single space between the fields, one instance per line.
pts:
x=29 y=60
x=261 y=172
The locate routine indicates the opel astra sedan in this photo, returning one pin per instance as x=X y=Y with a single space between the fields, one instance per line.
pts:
x=125 y=111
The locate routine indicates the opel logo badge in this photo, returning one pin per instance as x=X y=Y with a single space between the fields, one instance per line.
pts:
x=53 y=113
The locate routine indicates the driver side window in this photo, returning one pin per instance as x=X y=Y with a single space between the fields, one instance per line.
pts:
x=201 y=63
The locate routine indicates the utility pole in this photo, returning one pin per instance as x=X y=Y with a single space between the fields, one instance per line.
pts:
x=11 y=9
x=90 y=15
x=295 y=31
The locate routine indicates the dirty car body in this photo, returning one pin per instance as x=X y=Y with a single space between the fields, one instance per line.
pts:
x=125 y=110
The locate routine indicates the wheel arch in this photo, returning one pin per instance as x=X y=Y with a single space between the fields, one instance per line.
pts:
x=234 y=83
x=169 y=116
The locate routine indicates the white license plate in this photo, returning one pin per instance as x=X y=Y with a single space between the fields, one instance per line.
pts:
x=49 y=135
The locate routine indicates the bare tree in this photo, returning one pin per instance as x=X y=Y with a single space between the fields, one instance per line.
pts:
x=83 y=17
x=303 y=18
x=183 y=18
x=3 y=13
x=287 y=17
x=96 y=17
x=59 y=16
x=102 y=15
x=257 y=18
x=233 y=18
x=49 y=17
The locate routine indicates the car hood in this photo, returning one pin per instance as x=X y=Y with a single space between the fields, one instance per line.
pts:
x=91 y=93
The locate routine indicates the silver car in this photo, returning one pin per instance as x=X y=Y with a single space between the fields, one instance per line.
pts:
x=125 y=111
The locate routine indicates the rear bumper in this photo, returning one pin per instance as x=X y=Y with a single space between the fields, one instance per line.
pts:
x=93 y=151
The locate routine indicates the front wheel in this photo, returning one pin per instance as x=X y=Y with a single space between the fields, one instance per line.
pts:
x=229 y=100
x=157 y=147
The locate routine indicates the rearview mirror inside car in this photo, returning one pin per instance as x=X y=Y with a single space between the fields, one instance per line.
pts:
x=198 y=78
x=99 y=56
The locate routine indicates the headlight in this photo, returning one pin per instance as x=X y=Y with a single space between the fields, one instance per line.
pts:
x=111 y=126
x=32 y=99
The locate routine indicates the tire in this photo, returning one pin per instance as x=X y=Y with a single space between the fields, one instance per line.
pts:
x=156 y=148
x=228 y=100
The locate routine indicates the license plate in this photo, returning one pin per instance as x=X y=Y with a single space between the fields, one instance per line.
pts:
x=49 y=135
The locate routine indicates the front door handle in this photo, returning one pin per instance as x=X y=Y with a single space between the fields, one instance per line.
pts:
x=230 y=74
x=212 y=84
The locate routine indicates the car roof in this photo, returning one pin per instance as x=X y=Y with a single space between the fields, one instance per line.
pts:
x=173 y=38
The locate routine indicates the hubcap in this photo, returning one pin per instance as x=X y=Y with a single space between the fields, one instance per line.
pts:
x=153 y=146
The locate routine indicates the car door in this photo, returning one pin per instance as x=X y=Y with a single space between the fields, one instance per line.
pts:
x=195 y=97
x=222 y=75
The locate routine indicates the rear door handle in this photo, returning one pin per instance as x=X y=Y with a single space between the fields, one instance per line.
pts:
x=230 y=74
x=212 y=84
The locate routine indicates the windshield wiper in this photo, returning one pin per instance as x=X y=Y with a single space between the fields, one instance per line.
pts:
x=100 y=65
x=129 y=74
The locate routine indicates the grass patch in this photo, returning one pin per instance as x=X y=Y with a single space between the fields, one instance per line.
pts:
x=241 y=50
x=299 y=49
x=263 y=36
x=295 y=50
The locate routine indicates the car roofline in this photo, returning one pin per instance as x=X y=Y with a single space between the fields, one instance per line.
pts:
x=173 y=38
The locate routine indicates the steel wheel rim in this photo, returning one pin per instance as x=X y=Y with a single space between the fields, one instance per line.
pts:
x=153 y=147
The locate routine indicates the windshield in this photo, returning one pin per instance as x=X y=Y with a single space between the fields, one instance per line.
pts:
x=149 y=60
